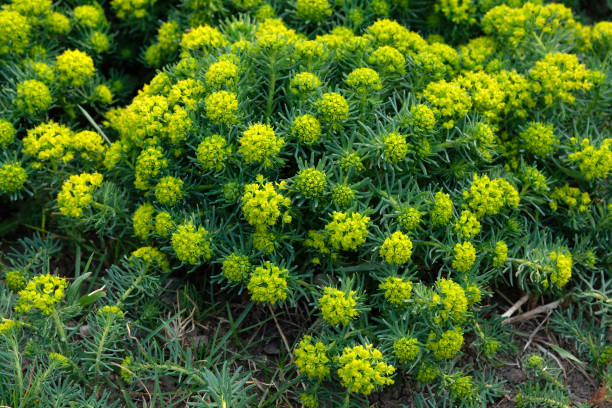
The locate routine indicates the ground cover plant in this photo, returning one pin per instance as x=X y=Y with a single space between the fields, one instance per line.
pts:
x=305 y=203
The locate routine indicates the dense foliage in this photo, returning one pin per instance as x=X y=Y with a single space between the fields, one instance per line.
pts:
x=391 y=167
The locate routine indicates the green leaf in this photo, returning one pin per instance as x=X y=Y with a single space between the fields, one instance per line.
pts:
x=566 y=354
x=93 y=297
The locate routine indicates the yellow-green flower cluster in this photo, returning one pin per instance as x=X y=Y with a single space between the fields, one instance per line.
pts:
x=397 y=291
x=15 y=280
x=57 y=23
x=190 y=244
x=519 y=90
x=437 y=61
x=90 y=15
x=513 y=26
x=422 y=118
x=268 y=283
x=163 y=224
x=142 y=220
x=308 y=400
x=406 y=349
x=410 y=218
x=453 y=300
x=221 y=74
x=562 y=267
x=212 y=153
x=262 y=205
x=388 y=60
x=74 y=67
x=462 y=388
x=203 y=38
x=304 y=83
x=7 y=325
x=187 y=91
x=35 y=8
x=59 y=359
x=572 y=197
x=99 y=42
x=464 y=256
x=389 y=32
x=169 y=190
x=152 y=256
x=142 y=120
x=468 y=225
x=427 y=372
x=14 y=32
x=311 y=182
x=222 y=107
x=12 y=178
x=487 y=95
x=594 y=163
x=446 y=345
x=111 y=311
x=43 y=292
x=77 y=193
x=333 y=109
x=347 y=231
x=395 y=147
x=126 y=9
x=478 y=53
x=311 y=358
x=488 y=197
x=558 y=76
x=448 y=100
x=149 y=164
x=396 y=249
x=351 y=161
x=442 y=211
x=338 y=307
x=539 y=138
x=259 y=144
x=7 y=133
x=364 y=81
x=236 y=267
x=500 y=254
x=126 y=369
x=103 y=94
x=33 y=97
x=307 y=128
x=362 y=369
x=458 y=11
x=312 y=10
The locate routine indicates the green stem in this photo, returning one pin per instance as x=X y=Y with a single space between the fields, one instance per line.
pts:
x=272 y=89
x=59 y=326
x=107 y=326
x=17 y=367
x=131 y=288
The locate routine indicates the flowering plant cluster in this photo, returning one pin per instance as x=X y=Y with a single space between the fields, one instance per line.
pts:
x=387 y=166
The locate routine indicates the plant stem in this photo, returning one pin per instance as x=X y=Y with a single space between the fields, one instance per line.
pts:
x=272 y=88
x=59 y=326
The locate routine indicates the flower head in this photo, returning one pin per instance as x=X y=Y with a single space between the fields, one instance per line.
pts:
x=347 y=231
x=397 y=291
x=74 y=67
x=77 y=193
x=362 y=369
x=43 y=292
x=311 y=358
x=259 y=144
x=268 y=283
x=12 y=178
x=396 y=249
x=190 y=244
x=338 y=307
